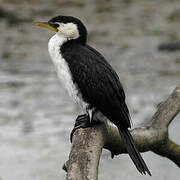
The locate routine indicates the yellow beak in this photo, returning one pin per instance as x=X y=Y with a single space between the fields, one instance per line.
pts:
x=46 y=25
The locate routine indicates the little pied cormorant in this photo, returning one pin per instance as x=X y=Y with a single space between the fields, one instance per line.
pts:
x=89 y=79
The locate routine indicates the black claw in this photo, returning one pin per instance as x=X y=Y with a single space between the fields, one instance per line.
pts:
x=82 y=121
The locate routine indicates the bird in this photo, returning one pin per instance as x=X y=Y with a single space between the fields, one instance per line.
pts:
x=90 y=80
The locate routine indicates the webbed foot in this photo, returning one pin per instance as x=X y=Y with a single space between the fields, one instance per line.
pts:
x=82 y=121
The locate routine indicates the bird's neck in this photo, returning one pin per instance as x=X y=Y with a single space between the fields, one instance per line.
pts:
x=55 y=44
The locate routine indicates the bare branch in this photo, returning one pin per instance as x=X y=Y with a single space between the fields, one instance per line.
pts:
x=85 y=153
x=171 y=150
x=152 y=136
x=145 y=139
x=167 y=110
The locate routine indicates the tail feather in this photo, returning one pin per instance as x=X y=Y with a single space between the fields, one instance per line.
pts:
x=133 y=152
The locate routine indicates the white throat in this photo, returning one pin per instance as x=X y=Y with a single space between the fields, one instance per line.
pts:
x=54 y=46
x=63 y=70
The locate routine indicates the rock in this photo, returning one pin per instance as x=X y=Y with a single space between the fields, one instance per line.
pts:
x=169 y=46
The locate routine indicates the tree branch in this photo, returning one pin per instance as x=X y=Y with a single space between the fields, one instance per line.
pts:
x=152 y=136
x=171 y=150
x=167 y=110
x=85 y=153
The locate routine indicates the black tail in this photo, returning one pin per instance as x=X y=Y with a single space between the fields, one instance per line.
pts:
x=133 y=152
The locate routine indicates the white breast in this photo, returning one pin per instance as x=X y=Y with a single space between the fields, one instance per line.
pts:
x=63 y=70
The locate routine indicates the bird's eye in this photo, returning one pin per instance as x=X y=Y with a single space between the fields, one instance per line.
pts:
x=56 y=25
x=53 y=24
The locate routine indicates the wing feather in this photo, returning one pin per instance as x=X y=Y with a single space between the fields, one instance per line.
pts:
x=98 y=83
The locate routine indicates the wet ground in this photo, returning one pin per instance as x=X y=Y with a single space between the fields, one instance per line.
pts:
x=36 y=115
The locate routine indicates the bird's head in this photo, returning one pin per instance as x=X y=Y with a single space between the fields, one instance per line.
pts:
x=66 y=27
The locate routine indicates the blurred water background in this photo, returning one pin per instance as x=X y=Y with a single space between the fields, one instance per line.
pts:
x=36 y=115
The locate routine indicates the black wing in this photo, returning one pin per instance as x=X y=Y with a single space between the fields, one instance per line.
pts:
x=98 y=83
